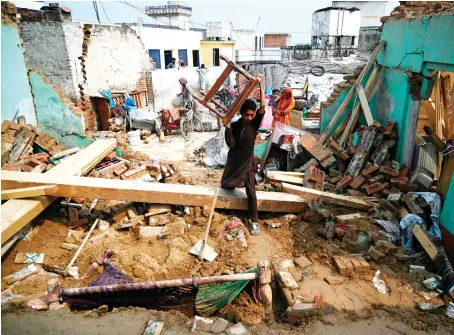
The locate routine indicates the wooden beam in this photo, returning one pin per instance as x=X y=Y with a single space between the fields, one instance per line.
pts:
x=365 y=105
x=20 y=193
x=331 y=198
x=17 y=213
x=276 y=176
x=371 y=86
x=158 y=193
x=350 y=94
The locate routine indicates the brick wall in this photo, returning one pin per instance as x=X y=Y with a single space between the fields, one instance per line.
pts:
x=277 y=40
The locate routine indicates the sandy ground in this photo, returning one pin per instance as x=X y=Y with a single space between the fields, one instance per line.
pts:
x=357 y=308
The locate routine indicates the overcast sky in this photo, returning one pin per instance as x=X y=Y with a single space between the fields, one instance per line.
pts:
x=292 y=17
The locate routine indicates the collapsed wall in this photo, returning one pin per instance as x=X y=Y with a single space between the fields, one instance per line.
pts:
x=275 y=74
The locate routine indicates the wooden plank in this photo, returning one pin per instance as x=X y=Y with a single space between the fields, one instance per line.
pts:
x=314 y=194
x=350 y=94
x=17 y=213
x=365 y=105
x=425 y=241
x=277 y=177
x=21 y=140
x=174 y=194
x=20 y=193
x=371 y=86
x=224 y=75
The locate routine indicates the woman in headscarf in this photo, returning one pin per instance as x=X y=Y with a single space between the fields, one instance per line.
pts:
x=285 y=106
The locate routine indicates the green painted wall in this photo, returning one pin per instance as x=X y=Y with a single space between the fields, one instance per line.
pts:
x=17 y=99
x=447 y=214
x=420 y=46
x=55 y=117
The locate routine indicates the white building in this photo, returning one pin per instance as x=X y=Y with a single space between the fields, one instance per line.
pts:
x=371 y=12
x=173 y=15
x=335 y=31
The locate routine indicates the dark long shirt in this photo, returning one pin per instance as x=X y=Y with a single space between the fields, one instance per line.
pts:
x=240 y=138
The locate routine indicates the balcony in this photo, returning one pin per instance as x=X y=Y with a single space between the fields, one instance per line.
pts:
x=167 y=10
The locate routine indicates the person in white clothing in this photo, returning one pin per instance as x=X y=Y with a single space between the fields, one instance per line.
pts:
x=202 y=71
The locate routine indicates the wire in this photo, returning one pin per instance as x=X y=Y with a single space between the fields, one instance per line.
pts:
x=104 y=11
x=95 y=6
x=239 y=39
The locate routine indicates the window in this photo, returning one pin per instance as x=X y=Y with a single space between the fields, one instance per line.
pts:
x=167 y=57
x=183 y=56
x=216 y=60
x=353 y=40
x=195 y=58
x=155 y=54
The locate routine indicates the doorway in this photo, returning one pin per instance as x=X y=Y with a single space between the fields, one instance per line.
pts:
x=195 y=58
x=216 y=60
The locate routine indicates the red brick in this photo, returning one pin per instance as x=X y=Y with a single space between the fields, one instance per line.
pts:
x=336 y=179
x=111 y=156
x=403 y=172
x=370 y=170
x=120 y=170
x=397 y=180
x=389 y=171
x=11 y=168
x=386 y=192
x=375 y=254
x=407 y=187
x=373 y=188
x=357 y=182
x=344 y=182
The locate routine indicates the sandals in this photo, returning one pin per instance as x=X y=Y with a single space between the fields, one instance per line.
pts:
x=254 y=229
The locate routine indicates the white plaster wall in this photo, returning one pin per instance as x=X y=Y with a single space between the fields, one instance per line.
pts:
x=170 y=39
x=116 y=58
x=166 y=85
x=371 y=11
x=344 y=22
x=320 y=23
x=74 y=36
x=245 y=39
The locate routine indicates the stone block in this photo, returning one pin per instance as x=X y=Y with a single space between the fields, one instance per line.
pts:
x=302 y=262
x=386 y=247
x=219 y=326
x=375 y=254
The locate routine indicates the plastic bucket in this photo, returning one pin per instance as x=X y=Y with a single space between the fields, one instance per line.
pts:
x=134 y=137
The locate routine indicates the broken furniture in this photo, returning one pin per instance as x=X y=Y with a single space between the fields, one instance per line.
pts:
x=227 y=114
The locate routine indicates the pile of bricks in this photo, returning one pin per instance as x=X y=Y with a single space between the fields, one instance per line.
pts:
x=366 y=167
x=20 y=141
x=415 y=9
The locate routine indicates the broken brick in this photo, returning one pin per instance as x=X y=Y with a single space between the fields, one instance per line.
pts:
x=344 y=267
x=354 y=193
x=357 y=182
x=373 y=188
x=389 y=171
x=111 y=156
x=336 y=179
x=370 y=170
x=407 y=187
x=386 y=247
x=375 y=254
x=379 y=127
x=344 y=182
x=404 y=172
x=120 y=170
x=396 y=181
x=377 y=179
x=313 y=216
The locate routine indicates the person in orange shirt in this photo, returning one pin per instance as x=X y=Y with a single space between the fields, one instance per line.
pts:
x=286 y=105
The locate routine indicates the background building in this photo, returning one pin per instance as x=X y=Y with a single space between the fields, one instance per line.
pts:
x=335 y=31
x=371 y=12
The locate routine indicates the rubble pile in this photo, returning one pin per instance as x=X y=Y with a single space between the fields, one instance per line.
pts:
x=415 y=9
x=27 y=148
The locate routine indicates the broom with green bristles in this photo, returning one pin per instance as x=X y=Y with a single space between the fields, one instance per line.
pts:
x=212 y=297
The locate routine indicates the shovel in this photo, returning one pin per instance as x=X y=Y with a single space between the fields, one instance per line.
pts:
x=201 y=249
